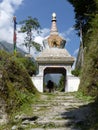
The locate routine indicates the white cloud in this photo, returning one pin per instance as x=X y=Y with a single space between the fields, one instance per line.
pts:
x=45 y=32
x=69 y=31
x=76 y=51
x=63 y=35
x=39 y=38
x=67 y=34
x=7 y=10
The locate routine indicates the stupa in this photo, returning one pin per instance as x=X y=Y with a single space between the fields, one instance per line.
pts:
x=55 y=59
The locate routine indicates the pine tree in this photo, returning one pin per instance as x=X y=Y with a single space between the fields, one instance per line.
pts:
x=28 y=26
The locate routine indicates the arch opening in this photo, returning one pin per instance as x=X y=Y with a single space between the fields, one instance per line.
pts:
x=57 y=75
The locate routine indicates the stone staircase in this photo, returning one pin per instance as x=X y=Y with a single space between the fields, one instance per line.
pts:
x=58 y=111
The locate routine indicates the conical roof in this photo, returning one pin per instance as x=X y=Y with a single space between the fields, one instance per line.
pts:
x=54 y=39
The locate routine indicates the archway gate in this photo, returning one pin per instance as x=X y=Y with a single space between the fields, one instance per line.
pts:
x=38 y=80
x=71 y=82
x=55 y=70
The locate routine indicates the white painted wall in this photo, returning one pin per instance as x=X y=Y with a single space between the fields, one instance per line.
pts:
x=72 y=83
x=38 y=82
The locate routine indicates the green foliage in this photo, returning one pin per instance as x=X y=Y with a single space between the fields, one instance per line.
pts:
x=89 y=79
x=84 y=13
x=61 y=84
x=83 y=97
x=87 y=12
x=37 y=46
x=29 y=23
x=16 y=87
x=76 y=72
x=27 y=26
x=29 y=64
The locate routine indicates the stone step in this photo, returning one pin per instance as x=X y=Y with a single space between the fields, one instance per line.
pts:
x=55 y=123
x=47 y=123
x=54 y=129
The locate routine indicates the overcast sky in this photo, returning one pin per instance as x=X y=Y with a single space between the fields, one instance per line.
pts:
x=42 y=10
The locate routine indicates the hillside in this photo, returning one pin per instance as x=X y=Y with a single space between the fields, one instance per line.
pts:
x=9 y=47
x=86 y=13
x=16 y=87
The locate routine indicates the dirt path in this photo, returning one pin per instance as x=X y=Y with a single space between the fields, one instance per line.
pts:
x=57 y=111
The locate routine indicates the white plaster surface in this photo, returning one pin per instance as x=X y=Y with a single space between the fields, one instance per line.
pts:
x=38 y=82
x=72 y=84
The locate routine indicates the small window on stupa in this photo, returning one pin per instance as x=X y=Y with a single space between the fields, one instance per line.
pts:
x=54 y=44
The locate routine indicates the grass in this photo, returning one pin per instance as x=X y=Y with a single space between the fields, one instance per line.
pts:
x=24 y=110
x=17 y=90
x=49 y=125
x=83 y=97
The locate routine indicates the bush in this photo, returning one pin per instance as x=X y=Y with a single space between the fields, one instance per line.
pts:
x=15 y=83
x=61 y=85
x=76 y=72
x=29 y=64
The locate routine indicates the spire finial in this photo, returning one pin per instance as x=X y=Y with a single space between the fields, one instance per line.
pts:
x=53 y=27
x=54 y=16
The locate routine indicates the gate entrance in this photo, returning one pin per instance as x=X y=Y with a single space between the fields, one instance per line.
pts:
x=56 y=75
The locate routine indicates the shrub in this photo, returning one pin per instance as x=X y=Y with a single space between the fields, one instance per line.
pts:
x=15 y=84
x=76 y=72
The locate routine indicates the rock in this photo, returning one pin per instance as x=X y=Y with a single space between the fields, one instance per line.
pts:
x=20 y=116
x=26 y=122
x=14 y=127
x=3 y=119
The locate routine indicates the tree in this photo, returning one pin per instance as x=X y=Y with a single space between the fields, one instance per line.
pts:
x=29 y=25
x=84 y=12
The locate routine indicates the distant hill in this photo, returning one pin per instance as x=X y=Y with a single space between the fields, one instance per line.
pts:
x=9 y=47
